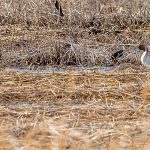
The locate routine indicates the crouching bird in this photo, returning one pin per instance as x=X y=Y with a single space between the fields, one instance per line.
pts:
x=115 y=56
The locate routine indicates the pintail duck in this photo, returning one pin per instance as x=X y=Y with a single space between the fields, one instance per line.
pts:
x=145 y=58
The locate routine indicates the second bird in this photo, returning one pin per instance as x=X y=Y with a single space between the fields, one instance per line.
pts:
x=58 y=7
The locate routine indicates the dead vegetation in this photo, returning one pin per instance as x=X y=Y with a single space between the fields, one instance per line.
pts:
x=96 y=110
x=71 y=33
x=72 y=110
x=102 y=14
x=62 y=47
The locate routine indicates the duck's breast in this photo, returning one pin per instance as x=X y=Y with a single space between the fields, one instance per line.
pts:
x=145 y=59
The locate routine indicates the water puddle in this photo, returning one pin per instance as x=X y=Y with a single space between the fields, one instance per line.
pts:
x=77 y=69
x=31 y=106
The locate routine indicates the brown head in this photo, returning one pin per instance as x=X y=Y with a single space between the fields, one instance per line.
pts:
x=141 y=47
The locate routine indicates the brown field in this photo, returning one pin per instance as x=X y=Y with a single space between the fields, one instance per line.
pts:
x=86 y=102
x=79 y=111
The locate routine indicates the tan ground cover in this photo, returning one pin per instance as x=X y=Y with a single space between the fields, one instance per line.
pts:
x=106 y=109
x=92 y=110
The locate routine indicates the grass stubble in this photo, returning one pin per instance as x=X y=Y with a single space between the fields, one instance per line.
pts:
x=71 y=110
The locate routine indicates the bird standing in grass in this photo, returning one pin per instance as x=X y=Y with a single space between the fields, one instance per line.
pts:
x=145 y=58
x=58 y=7
x=115 y=56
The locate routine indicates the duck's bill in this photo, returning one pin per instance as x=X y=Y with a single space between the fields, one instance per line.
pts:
x=137 y=49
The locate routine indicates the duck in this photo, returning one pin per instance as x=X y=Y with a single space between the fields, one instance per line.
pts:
x=115 y=56
x=145 y=58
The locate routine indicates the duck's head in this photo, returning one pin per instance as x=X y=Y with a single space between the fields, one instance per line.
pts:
x=141 y=47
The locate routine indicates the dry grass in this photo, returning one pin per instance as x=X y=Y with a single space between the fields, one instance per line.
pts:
x=24 y=48
x=146 y=89
x=95 y=110
x=33 y=33
x=55 y=137
x=72 y=110
x=103 y=14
